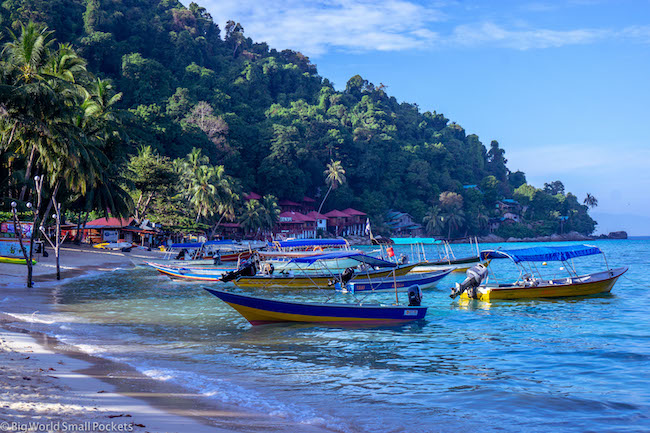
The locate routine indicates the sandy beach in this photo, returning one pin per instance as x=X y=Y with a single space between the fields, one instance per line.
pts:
x=49 y=386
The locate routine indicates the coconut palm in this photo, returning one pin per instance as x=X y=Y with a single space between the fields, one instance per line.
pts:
x=454 y=220
x=591 y=201
x=252 y=218
x=271 y=211
x=202 y=192
x=28 y=52
x=334 y=176
x=433 y=220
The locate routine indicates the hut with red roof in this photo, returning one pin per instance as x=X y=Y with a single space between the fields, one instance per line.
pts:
x=293 y=224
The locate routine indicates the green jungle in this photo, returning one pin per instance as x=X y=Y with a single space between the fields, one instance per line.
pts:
x=148 y=108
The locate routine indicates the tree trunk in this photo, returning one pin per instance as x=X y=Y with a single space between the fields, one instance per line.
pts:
x=325 y=198
x=57 y=249
x=78 y=235
x=52 y=200
x=19 y=232
x=28 y=173
x=140 y=214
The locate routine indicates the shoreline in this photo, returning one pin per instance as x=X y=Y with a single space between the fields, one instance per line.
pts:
x=68 y=386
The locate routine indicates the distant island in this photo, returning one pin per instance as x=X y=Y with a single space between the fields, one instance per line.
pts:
x=153 y=112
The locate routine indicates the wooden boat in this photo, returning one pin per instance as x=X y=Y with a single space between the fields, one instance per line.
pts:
x=15 y=260
x=191 y=273
x=528 y=286
x=401 y=283
x=260 y=311
x=301 y=279
x=446 y=257
x=207 y=253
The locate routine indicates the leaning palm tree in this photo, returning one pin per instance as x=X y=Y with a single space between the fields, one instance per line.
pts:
x=591 y=201
x=335 y=176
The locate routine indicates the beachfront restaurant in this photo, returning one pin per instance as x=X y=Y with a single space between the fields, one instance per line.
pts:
x=120 y=229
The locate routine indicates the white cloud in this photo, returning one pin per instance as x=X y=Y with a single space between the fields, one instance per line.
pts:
x=316 y=27
x=492 y=34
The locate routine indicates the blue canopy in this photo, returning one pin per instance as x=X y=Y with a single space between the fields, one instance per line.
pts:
x=361 y=258
x=542 y=254
x=311 y=243
x=199 y=244
x=413 y=241
x=188 y=245
x=222 y=242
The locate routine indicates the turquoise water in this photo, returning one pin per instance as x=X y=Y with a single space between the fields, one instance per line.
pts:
x=572 y=365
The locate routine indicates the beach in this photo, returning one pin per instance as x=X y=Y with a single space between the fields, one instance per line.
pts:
x=47 y=385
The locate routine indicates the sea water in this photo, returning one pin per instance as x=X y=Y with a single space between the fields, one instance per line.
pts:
x=564 y=365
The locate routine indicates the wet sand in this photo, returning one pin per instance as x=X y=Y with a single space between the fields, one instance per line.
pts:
x=48 y=382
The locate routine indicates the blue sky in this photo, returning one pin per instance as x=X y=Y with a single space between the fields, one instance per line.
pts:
x=563 y=86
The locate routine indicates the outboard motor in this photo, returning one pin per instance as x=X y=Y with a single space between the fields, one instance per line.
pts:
x=415 y=296
x=475 y=276
x=346 y=276
x=247 y=269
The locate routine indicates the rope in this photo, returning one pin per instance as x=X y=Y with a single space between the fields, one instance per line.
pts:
x=636 y=282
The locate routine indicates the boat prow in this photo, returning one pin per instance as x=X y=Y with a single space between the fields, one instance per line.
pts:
x=260 y=311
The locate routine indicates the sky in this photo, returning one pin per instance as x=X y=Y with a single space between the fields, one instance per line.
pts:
x=562 y=86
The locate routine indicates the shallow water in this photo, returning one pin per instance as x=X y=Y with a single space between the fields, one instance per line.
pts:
x=573 y=365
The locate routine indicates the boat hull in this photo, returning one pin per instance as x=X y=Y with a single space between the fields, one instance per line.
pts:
x=585 y=285
x=460 y=265
x=261 y=311
x=15 y=260
x=316 y=281
x=402 y=283
x=190 y=273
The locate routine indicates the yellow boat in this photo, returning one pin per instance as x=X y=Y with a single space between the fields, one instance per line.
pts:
x=15 y=260
x=528 y=286
x=583 y=285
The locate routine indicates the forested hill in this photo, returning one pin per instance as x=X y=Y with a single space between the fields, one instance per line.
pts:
x=272 y=121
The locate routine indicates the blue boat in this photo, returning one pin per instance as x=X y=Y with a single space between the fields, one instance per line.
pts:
x=260 y=311
x=400 y=283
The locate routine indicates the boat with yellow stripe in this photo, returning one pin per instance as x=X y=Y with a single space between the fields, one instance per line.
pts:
x=371 y=268
x=15 y=260
x=260 y=311
x=531 y=284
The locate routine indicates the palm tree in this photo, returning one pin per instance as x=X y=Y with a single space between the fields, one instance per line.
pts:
x=252 y=219
x=28 y=52
x=591 y=201
x=433 y=220
x=202 y=192
x=271 y=211
x=335 y=176
x=454 y=219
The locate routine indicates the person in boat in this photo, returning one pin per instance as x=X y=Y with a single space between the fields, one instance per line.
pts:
x=217 y=257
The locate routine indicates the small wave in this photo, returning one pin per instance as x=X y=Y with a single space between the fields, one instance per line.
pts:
x=225 y=391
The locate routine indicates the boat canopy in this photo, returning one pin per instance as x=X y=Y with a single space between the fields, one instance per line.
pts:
x=542 y=254
x=200 y=244
x=187 y=245
x=414 y=241
x=311 y=243
x=361 y=258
